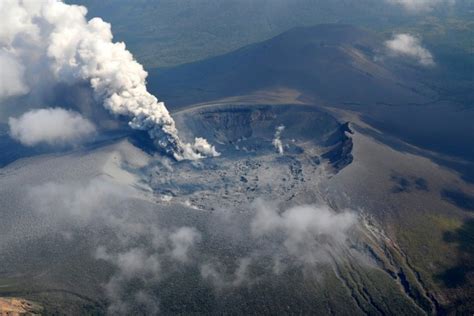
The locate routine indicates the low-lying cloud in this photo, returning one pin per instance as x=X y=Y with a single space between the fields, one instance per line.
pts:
x=216 y=273
x=81 y=201
x=182 y=240
x=140 y=250
x=310 y=232
x=135 y=265
x=406 y=45
x=54 y=126
x=306 y=237
x=421 y=5
x=144 y=253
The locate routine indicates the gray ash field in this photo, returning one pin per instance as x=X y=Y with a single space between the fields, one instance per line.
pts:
x=260 y=157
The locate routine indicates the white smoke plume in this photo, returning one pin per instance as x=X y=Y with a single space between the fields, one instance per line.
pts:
x=409 y=46
x=74 y=49
x=51 y=126
x=277 y=143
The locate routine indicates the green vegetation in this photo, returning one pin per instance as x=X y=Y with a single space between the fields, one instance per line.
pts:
x=169 y=32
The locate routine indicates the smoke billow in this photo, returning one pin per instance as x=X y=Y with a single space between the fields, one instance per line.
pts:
x=52 y=33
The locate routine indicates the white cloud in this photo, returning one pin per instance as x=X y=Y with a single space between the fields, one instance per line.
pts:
x=308 y=237
x=139 y=251
x=132 y=263
x=310 y=232
x=81 y=201
x=421 y=5
x=409 y=46
x=215 y=273
x=182 y=240
x=11 y=76
x=143 y=262
x=54 y=126
x=144 y=254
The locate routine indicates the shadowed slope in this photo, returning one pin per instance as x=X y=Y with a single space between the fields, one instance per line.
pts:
x=334 y=63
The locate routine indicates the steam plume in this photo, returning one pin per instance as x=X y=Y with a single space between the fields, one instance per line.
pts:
x=277 y=143
x=74 y=49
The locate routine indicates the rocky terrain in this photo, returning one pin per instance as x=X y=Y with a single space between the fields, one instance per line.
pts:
x=15 y=307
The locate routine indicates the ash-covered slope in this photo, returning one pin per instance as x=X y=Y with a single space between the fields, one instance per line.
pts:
x=112 y=229
x=333 y=63
x=308 y=218
x=101 y=228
